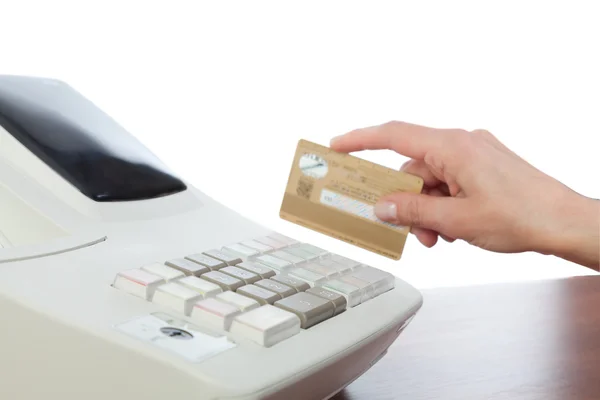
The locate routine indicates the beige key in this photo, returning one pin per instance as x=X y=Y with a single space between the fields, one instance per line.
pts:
x=187 y=267
x=227 y=282
x=338 y=301
x=227 y=258
x=297 y=284
x=262 y=295
x=259 y=269
x=309 y=308
x=207 y=261
x=279 y=288
x=246 y=276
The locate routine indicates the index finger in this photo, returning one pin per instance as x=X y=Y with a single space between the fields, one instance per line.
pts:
x=410 y=140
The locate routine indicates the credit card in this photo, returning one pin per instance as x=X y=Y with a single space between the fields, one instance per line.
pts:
x=335 y=194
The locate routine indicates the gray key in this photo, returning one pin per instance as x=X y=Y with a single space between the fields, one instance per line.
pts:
x=227 y=258
x=279 y=288
x=227 y=282
x=246 y=276
x=297 y=284
x=207 y=261
x=309 y=308
x=338 y=301
x=258 y=269
x=187 y=267
x=263 y=296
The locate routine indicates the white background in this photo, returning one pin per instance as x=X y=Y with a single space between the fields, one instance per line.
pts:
x=222 y=91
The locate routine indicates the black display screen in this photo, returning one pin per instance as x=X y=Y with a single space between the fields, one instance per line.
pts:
x=81 y=142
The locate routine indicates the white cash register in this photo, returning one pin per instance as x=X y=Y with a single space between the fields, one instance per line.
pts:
x=120 y=281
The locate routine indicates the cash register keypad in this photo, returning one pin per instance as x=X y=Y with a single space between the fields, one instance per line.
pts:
x=266 y=289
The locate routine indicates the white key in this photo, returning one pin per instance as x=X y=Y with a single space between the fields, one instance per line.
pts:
x=332 y=264
x=305 y=255
x=266 y=325
x=215 y=313
x=271 y=242
x=138 y=283
x=326 y=271
x=227 y=258
x=167 y=273
x=282 y=238
x=273 y=262
x=237 y=300
x=308 y=276
x=380 y=280
x=207 y=261
x=352 y=294
x=253 y=244
x=201 y=286
x=288 y=257
x=344 y=261
x=367 y=290
x=177 y=297
x=319 y=252
x=242 y=250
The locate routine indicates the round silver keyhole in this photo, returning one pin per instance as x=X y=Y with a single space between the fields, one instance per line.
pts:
x=176 y=333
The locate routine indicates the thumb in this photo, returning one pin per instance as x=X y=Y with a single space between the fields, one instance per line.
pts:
x=419 y=210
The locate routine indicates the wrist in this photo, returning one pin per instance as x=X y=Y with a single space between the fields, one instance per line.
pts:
x=575 y=236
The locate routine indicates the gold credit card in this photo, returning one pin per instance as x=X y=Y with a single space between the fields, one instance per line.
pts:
x=334 y=194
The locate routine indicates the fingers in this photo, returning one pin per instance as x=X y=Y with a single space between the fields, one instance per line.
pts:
x=410 y=140
x=420 y=210
x=427 y=237
x=419 y=168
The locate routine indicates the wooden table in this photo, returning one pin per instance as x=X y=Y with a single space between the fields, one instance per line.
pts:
x=534 y=340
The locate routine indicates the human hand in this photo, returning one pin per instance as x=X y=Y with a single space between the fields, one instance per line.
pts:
x=477 y=190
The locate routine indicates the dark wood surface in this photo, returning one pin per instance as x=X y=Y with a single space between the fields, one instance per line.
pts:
x=533 y=340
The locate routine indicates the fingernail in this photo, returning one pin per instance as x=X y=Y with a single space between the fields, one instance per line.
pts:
x=335 y=139
x=386 y=211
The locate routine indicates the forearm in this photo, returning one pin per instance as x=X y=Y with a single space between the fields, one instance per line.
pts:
x=578 y=240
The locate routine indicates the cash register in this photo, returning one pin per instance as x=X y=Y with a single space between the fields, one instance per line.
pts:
x=119 y=280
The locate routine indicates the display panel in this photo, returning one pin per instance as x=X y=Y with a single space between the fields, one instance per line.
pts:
x=81 y=142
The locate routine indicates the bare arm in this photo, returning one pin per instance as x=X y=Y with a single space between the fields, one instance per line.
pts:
x=479 y=191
